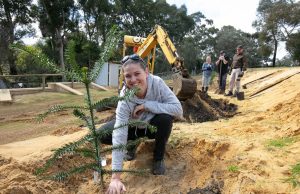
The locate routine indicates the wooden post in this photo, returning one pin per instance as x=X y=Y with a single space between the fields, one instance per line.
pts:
x=43 y=82
x=72 y=84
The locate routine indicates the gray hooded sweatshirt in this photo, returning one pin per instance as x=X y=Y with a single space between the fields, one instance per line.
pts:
x=159 y=99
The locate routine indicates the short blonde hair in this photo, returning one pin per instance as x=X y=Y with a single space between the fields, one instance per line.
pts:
x=208 y=58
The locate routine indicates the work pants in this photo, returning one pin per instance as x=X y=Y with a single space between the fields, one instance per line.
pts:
x=235 y=80
x=163 y=124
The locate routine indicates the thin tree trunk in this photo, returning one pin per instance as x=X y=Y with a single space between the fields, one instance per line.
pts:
x=4 y=64
x=11 y=37
x=275 y=47
x=60 y=48
x=275 y=52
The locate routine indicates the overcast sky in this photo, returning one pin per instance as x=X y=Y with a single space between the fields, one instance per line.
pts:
x=237 y=13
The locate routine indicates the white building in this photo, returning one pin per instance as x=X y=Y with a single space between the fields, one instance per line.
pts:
x=109 y=75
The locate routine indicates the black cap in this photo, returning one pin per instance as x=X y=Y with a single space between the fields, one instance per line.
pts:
x=240 y=46
x=222 y=52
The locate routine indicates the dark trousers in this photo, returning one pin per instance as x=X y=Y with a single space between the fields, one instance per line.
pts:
x=222 y=81
x=163 y=123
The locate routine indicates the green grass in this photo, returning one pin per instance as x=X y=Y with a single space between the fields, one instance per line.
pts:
x=174 y=141
x=296 y=169
x=233 y=168
x=17 y=119
x=294 y=179
x=280 y=143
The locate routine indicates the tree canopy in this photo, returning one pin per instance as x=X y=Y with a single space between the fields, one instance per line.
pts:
x=86 y=22
x=276 y=21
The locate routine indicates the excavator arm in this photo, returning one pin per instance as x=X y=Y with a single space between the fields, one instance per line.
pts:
x=184 y=86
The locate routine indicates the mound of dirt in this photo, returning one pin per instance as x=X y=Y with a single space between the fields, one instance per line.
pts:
x=200 y=108
x=203 y=108
x=17 y=177
x=288 y=112
x=212 y=188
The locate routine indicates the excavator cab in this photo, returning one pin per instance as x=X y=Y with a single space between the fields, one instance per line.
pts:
x=184 y=86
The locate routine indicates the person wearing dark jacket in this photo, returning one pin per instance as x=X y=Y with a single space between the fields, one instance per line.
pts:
x=222 y=69
x=238 y=67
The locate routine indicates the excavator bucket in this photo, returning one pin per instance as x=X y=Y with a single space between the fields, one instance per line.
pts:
x=183 y=88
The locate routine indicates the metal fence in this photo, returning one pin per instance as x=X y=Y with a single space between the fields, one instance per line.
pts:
x=28 y=80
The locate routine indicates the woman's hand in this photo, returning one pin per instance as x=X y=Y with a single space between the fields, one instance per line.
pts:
x=116 y=187
x=138 y=110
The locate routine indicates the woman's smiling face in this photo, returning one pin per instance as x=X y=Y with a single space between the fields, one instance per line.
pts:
x=136 y=76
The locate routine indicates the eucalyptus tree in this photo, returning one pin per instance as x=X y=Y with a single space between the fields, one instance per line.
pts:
x=199 y=42
x=276 y=21
x=57 y=19
x=175 y=20
x=97 y=17
x=15 y=23
x=293 y=46
x=228 y=38
x=138 y=17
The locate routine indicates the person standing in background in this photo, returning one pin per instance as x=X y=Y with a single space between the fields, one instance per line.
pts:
x=222 y=69
x=238 y=67
x=207 y=69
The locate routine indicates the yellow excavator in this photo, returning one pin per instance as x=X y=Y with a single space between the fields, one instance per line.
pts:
x=184 y=86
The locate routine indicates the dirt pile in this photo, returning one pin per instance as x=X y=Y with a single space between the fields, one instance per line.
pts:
x=212 y=188
x=288 y=112
x=190 y=164
x=200 y=108
x=18 y=177
x=203 y=108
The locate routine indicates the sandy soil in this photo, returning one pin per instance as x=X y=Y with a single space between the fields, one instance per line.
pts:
x=198 y=154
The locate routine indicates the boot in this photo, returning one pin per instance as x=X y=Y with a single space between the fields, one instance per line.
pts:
x=221 y=92
x=235 y=93
x=130 y=155
x=206 y=89
x=159 y=167
x=203 y=91
x=229 y=93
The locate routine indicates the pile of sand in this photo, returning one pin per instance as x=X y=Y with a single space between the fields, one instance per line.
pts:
x=288 y=113
x=187 y=169
x=288 y=110
x=19 y=178
x=202 y=108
